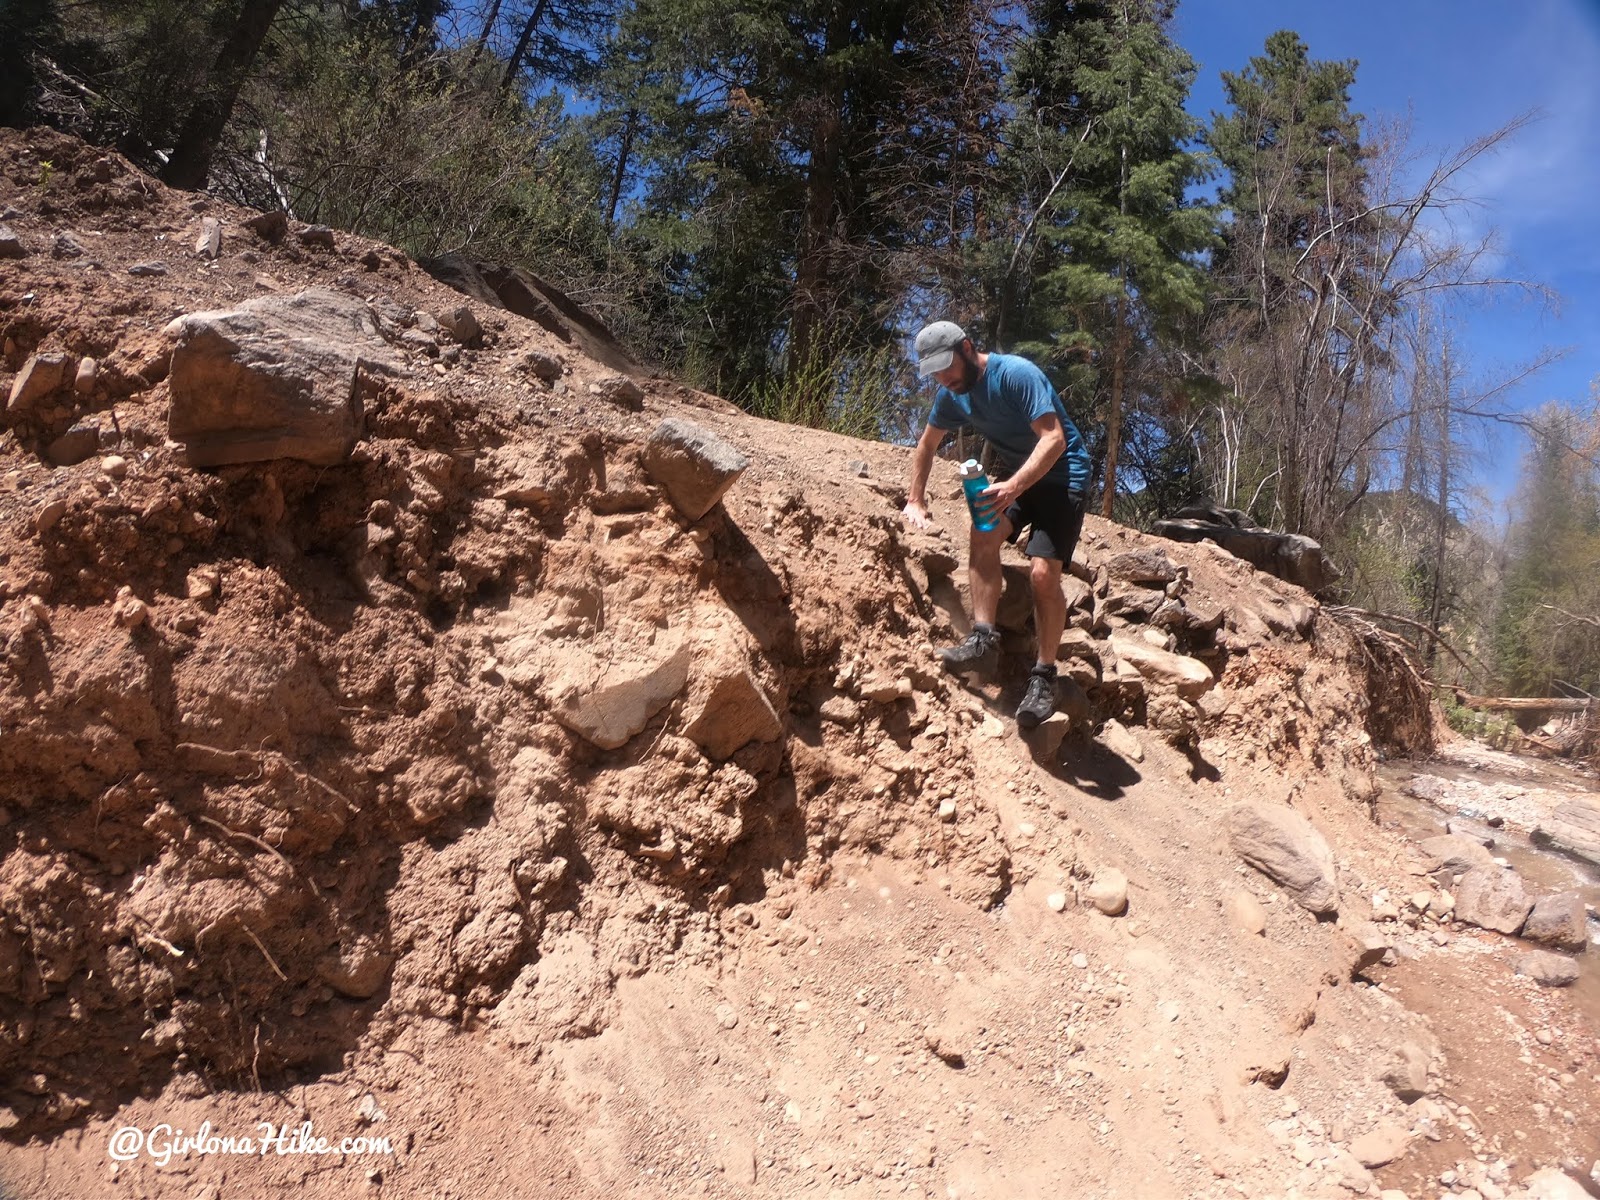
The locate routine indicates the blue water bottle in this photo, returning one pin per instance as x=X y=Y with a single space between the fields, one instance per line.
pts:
x=973 y=481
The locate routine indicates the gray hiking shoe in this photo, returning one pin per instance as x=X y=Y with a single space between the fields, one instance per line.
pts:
x=1040 y=699
x=979 y=653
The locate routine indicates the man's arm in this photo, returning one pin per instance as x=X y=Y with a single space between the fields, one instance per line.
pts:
x=916 y=509
x=1052 y=442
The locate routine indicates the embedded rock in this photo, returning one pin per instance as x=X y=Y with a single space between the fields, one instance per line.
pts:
x=355 y=968
x=1461 y=827
x=1287 y=848
x=76 y=444
x=726 y=707
x=1547 y=1183
x=1146 y=566
x=621 y=391
x=276 y=377
x=269 y=226
x=606 y=701
x=1120 y=740
x=41 y=375
x=542 y=366
x=1380 y=1146
x=1247 y=913
x=208 y=244
x=1406 y=1075
x=1189 y=677
x=1290 y=556
x=461 y=325
x=695 y=465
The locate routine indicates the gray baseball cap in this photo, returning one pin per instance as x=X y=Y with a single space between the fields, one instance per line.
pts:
x=936 y=346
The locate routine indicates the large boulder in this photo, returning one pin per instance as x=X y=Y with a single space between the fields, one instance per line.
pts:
x=695 y=465
x=1290 y=556
x=276 y=377
x=1492 y=898
x=1560 y=921
x=1189 y=677
x=1283 y=845
x=1574 y=828
x=1456 y=854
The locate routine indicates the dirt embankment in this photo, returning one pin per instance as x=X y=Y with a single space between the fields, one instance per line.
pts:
x=467 y=794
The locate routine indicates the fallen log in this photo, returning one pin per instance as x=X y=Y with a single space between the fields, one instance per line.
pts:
x=1524 y=703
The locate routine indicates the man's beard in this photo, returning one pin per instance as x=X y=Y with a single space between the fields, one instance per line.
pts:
x=969 y=375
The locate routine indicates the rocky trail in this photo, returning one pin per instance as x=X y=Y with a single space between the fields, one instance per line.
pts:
x=414 y=730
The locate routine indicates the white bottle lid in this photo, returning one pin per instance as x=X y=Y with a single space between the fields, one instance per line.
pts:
x=971 y=469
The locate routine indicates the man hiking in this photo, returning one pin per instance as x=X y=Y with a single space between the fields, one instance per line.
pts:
x=1009 y=401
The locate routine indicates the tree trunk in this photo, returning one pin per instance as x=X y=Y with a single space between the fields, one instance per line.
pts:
x=1119 y=365
x=488 y=28
x=620 y=175
x=202 y=129
x=1119 y=347
x=811 y=271
x=519 y=52
x=1443 y=499
x=1525 y=703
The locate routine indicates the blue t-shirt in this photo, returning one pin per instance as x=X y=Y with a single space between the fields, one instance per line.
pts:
x=1008 y=398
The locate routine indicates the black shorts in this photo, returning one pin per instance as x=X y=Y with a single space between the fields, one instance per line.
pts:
x=1054 y=512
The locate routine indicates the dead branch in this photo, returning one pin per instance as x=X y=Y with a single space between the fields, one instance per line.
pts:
x=1573 y=616
x=1367 y=615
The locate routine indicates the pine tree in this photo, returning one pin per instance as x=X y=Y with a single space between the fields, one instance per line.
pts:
x=1553 y=579
x=1103 y=299
x=795 y=163
x=1299 y=281
x=1292 y=151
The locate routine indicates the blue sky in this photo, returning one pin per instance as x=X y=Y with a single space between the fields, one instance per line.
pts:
x=1459 y=69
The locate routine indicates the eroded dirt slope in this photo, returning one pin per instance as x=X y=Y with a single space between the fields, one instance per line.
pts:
x=305 y=818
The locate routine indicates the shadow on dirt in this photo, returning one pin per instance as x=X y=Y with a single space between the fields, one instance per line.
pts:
x=1090 y=767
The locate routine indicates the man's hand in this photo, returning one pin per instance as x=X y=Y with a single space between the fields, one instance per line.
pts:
x=997 y=497
x=916 y=515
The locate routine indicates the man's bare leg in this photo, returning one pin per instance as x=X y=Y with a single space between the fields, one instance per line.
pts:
x=984 y=577
x=1049 y=606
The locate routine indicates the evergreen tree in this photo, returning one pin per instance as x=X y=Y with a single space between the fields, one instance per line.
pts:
x=1553 y=579
x=1301 y=312
x=1102 y=135
x=1295 y=167
x=793 y=164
